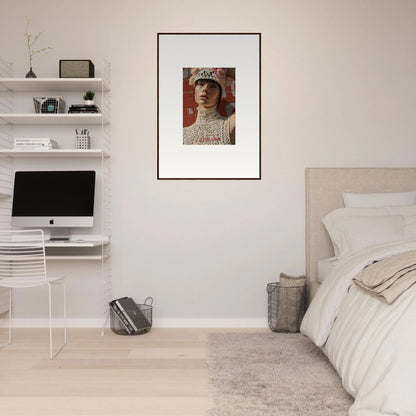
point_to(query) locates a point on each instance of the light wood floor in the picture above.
(162, 373)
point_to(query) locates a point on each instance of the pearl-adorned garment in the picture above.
(209, 128)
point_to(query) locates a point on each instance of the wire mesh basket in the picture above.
(146, 308)
(49, 105)
(286, 303)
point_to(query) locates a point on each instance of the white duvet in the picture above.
(370, 343)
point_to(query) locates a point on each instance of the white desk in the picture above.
(76, 249)
(75, 243)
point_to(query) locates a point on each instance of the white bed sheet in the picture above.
(371, 344)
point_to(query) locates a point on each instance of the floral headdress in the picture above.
(218, 75)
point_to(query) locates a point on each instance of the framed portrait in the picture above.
(209, 101)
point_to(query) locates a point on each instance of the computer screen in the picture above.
(53, 198)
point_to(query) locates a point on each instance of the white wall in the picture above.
(338, 89)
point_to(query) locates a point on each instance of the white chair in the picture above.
(23, 265)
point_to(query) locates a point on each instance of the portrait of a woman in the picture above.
(210, 127)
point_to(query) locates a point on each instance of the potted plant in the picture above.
(89, 97)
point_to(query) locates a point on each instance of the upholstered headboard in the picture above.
(324, 189)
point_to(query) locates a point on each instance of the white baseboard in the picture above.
(157, 323)
(210, 323)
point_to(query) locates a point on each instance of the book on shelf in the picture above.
(82, 108)
(133, 314)
(30, 148)
(34, 144)
(30, 139)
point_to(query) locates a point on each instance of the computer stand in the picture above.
(60, 234)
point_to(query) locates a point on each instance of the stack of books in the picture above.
(82, 108)
(33, 144)
(129, 314)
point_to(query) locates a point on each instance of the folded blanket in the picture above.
(388, 278)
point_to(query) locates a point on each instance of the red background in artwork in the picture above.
(189, 105)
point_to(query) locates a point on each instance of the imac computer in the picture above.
(55, 200)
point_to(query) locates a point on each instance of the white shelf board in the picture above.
(98, 257)
(77, 153)
(52, 119)
(67, 257)
(60, 244)
(52, 84)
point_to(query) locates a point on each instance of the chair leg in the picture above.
(52, 355)
(10, 315)
(64, 289)
(10, 319)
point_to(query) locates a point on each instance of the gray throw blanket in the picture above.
(389, 278)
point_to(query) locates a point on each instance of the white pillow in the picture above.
(329, 219)
(352, 200)
(350, 234)
(332, 219)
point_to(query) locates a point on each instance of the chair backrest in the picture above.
(22, 258)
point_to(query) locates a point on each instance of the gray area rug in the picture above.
(274, 374)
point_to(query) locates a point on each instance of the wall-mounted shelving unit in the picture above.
(94, 248)
(75, 153)
(54, 84)
(53, 119)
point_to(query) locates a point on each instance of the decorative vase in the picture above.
(89, 102)
(30, 74)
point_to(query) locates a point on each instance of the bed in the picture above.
(371, 343)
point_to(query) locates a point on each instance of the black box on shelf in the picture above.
(76, 68)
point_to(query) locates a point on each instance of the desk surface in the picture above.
(74, 243)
